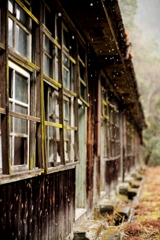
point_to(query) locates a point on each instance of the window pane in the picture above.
(81, 52)
(83, 91)
(66, 110)
(20, 126)
(65, 38)
(20, 109)
(82, 72)
(65, 78)
(21, 88)
(21, 41)
(72, 77)
(56, 70)
(66, 61)
(46, 65)
(47, 44)
(66, 150)
(48, 19)
(20, 150)
(10, 32)
(53, 146)
(10, 6)
(22, 16)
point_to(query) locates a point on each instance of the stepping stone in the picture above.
(109, 234)
(123, 188)
(132, 192)
(106, 209)
(135, 184)
(88, 230)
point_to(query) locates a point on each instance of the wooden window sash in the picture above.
(27, 11)
(51, 81)
(49, 35)
(18, 23)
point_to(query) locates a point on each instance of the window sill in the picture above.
(16, 176)
(62, 167)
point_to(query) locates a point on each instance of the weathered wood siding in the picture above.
(38, 208)
(93, 161)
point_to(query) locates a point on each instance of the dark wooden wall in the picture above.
(38, 208)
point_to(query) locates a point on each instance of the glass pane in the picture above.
(22, 16)
(20, 109)
(51, 154)
(51, 130)
(48, 19)
(81, 52)
(66, 150)
(20, 150)
(46, 65)
(82, 72)
(21, 41)
(72, 77)
(65, 78)
(21, 88)
(66, 110)
(66, 61)
(21, 126)
(65, 38)
(66, 134)
(47, 44)
(83, 91)
(10, 32)
(56, 70)
(10, 6)
(10, 83)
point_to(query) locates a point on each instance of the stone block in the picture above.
(89, 229)
(123, 188)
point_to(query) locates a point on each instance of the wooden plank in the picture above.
(23, 116)
(3, 216)
(24, 209)
(30, 202)
(60, 91)
(23, 62)
(27, 11)
(6, 164)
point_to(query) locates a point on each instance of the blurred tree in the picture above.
(128, 8)
(147, 64)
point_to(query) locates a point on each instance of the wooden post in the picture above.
(6, 162)
(123, 146)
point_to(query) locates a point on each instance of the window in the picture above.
(19, 106)
(69, 95)
(130, 137)
(83, 88)
(114, 132)
(68, 60)
(69, 129)
(19, 25)
(50, 44)
(53, 126)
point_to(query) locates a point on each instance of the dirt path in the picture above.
(145, 223)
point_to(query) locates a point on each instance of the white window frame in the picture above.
(24, 73)
(16, 22)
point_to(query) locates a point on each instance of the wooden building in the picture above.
(70, 114)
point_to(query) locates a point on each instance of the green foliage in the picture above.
(147, 64)
(128, 8)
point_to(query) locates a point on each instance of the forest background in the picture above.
(141, 19)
